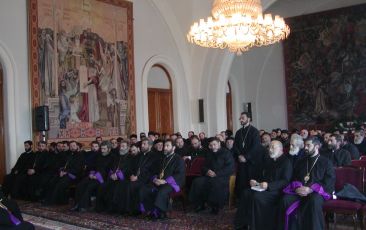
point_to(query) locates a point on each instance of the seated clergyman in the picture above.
(260, 202)
(312, 183)
(212, 188)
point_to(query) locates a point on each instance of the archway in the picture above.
(160, 100)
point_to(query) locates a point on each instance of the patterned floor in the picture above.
(60, 218)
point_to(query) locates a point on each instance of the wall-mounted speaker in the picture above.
(41, 115)
(248, 108)
(201, 113)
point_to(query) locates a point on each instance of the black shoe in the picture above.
(75, 208)
(199, 208)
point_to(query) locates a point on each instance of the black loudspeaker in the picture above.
(201, 113)
(41, 115)
(248, 109)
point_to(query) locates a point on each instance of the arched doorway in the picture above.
(2, 143)
(229, 107)
(160, 100)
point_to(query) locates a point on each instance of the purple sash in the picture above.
(290, 189)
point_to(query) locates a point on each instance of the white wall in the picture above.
(158, 79)
(14, 59)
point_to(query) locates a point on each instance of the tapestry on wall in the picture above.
(325, 65)
(82, 66)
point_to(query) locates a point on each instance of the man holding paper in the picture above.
(260, 202)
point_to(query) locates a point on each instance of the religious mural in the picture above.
(85, 70)
(325, 64)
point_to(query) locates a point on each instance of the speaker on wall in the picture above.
(201, 114)
(248, 109)
(41, 115)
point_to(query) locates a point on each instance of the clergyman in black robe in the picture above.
(213, 187)
(250, 158)
(69, 173)
(338, 156)
(32, 183)
(312, 182)
(155, 196)
(118, 172)
(97, 175)
(14, 180)
(128, 189)
(10, 216)
(256, 206)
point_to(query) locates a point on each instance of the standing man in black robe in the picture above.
(250, 158)
(155, 196)
(213, 187)
(13, 181)
(338, 156)
(312, 182)
(96, 176)
(69, 173)
(257, 206)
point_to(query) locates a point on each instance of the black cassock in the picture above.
(307, 214)
(353, 150)
(10, 216)
(106, 200)
(192, 152)
(213, 190)
(339, 157)
(361, 147)
(57, 191)
(128, 191)
(88, 187)
(32, 185)
(14, 180)
(157, 198)
(259, 209)
(247, 142)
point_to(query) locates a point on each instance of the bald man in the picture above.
(258, 209)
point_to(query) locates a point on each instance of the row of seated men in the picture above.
(136, 179)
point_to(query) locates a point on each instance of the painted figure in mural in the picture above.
(113, 108)
(92, 95)
(64, 105)
(49, 70)
(41, 48)
(122, 65)
(74, 108)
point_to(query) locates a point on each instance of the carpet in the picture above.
(91, 220)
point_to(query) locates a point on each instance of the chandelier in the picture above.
(238, 25)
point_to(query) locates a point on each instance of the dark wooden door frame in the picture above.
(2, 142)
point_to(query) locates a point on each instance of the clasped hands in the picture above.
(158, 182)
(303, 191)
(211, 173)
(263, 185)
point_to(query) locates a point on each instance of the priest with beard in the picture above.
(229, 144)
(351, 148)
(89, 156)
(35, 168)
(250, 158)
(260, 202)
(312, 183)
(96, 177)
(180, 147)
(68, 174)
(10, 215)
(13, 181)
(155, 196)
(338, 156)
(140, 175)
(360, 142)
(213, 186)
(296, 151)
(118, 172)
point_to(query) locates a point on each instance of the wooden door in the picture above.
(160, 110)
(229, 109)
(2, 144)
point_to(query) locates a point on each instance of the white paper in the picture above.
(258, 188)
